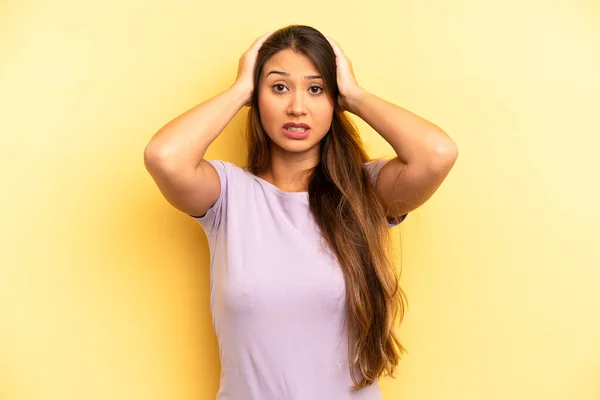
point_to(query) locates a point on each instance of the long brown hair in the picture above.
(347, 211)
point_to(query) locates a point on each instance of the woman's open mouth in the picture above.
(296, 131)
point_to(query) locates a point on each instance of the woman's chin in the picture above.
(295, 146)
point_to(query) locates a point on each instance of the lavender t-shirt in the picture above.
(277, 295)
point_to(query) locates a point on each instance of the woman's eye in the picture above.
(280, 88)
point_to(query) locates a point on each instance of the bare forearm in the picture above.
(412, 137)
(183, 141)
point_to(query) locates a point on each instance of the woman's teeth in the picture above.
(292, 129)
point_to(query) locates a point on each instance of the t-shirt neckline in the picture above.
(278, 191)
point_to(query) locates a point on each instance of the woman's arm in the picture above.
(414, 139)
(174, 157)
(425, 154)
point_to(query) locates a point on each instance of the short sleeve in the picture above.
(373, 168)
(215, 214)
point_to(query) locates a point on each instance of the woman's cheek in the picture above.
(325, 112)
(264, 109)
(268, 102)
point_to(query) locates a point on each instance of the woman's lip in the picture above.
(293, 125)
(296, 135)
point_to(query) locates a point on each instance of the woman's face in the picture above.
(291, 91)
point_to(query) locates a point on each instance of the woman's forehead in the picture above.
(291, 63)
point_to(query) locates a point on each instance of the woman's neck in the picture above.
(289, 171)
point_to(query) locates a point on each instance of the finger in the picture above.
(336, 47)
(260, 40)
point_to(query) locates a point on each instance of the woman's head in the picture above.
(349, 214)
(295, 83)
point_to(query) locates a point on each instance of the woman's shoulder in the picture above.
(373, 167)
(225, 166)
(230, 171)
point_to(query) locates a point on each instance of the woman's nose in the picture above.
(296, 105)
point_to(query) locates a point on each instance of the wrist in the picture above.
(355, 98)
(240, 93)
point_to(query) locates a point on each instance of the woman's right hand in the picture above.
(245, 74)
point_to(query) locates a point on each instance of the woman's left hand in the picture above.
(346, 81)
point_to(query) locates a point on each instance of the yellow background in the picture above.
(104, 286)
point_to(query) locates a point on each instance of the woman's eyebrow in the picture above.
(287, 74)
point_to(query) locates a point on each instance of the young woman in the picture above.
(304, 294)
